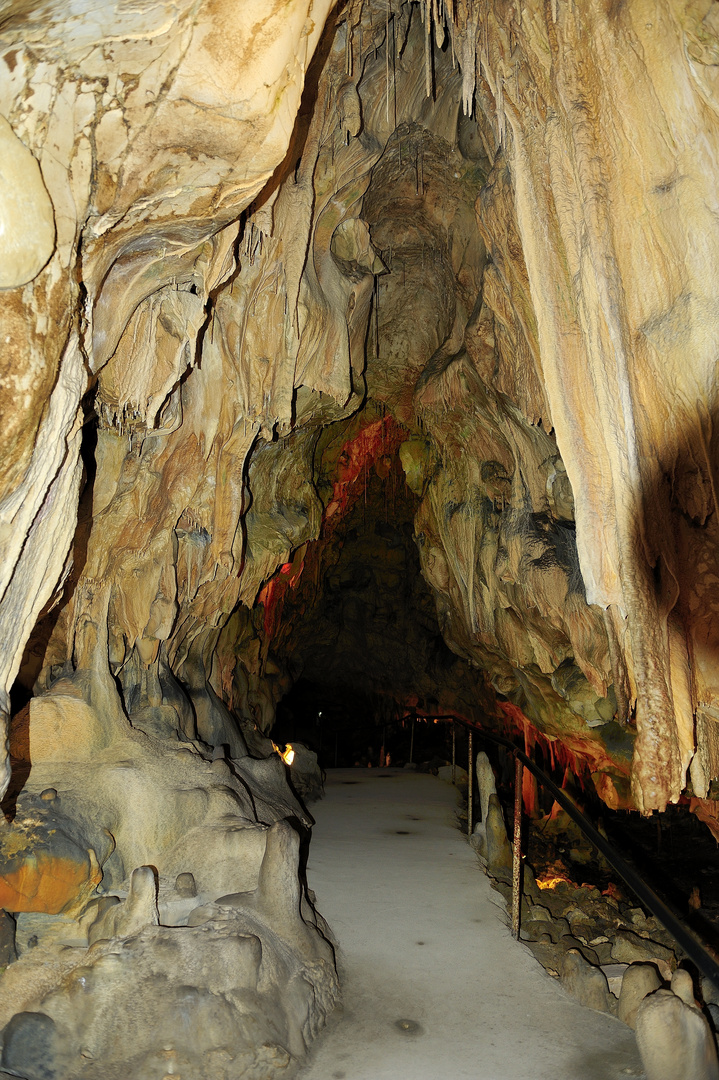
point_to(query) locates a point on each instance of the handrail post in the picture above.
(470, 786)
(454, 751)
(517, 849)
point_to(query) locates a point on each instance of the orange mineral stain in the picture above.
(46, 883)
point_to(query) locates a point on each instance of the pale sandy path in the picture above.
(423, 937)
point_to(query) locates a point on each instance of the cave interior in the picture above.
(358, 389)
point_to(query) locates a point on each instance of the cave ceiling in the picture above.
(373, 342)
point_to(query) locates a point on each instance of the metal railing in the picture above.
(693, 948)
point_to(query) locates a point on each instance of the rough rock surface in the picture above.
(674, 1039)
(272, 267)
(586, 983)
(99, 866)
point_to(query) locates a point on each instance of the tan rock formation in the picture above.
(257, 256)
(151, 137)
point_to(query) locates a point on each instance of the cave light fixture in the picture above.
(287, 755)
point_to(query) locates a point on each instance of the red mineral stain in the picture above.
(373, 446)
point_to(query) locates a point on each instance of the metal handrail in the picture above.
(689, 944)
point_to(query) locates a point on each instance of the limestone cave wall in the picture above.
(189, 279)
(265, 262)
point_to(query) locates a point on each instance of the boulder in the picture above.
(533, 927)
(551, 954)
(568, 941)
(444, 772)
(536, 929)
(629, 948)
(710, 992)
(30, 1046)
(48, 873)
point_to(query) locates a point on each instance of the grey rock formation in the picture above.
(586, 983)
(305, 773)
(30, 1047)
(630, 948)
(7, 939)
(675, 1040)
(499, 850)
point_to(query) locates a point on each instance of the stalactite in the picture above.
(386, 69)
(427, 15)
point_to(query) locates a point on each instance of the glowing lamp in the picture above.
(551, 883)
(287, 755)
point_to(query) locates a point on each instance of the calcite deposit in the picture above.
(299, 302)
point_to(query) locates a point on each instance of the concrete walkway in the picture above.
(434, 986)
